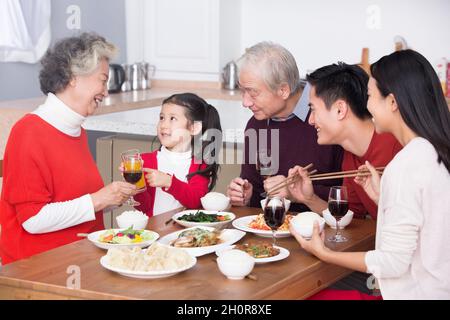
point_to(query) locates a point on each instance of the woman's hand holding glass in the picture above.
(370, 184)
(113, 194)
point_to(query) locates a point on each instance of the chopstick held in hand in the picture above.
(286, 182)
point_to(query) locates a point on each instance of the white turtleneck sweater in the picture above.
(61, 215)
(174, 163)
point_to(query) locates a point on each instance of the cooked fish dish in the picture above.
(197, 237)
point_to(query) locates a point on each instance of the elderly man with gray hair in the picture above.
(52, 189)
(271, 88)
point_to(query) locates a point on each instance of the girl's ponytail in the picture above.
(211, 144)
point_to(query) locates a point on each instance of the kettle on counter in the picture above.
(141, 75)
(230, 76)
(116, 78)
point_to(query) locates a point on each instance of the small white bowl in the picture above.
(235, 264)
(303, 223)
(215, 201)
(331, 221)
(137, 219)
(287, 204)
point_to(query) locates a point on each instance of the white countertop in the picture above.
(233, 118)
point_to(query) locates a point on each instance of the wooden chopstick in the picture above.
(293, 179)
(342, 172)
(348, 175)
(326, 176)
(287, 181)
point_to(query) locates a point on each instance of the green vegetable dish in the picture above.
(201, 216)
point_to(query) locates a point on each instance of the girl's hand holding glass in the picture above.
(157, 178)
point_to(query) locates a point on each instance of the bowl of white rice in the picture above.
(133, 218)
(303, 223)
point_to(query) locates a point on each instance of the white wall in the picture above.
(321, 32)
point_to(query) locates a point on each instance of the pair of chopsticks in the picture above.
(287, 181)
(345, 174)
(322, 176)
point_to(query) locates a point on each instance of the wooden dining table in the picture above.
(50, 275)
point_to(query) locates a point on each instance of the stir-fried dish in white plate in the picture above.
(257, 225)
(262, 252)
(199, 241)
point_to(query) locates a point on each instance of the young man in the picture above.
(338, 100)
(270, 84)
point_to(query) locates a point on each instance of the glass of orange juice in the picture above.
(132, 165)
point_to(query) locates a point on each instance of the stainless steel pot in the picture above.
(230, 76)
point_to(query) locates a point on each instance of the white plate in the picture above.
(284, 253)
(94, 236)
(228, 236)
(243, 224)
(104, 261)
(190, 224)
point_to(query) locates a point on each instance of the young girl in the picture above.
(411, 259)
(185, 168)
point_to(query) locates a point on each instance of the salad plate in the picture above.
(122, 238)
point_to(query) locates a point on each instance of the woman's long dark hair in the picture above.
(414, 83)
(205, 147)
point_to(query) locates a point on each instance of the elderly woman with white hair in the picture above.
(52, 188)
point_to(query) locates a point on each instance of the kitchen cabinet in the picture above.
(187, 40)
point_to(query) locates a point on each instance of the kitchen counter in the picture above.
(46, 275)
(130, 100)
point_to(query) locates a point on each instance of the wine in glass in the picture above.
(264, 163)
(132, 171)
(338, 207)
(274, 214)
